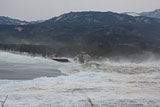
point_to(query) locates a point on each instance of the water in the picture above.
(105, 83)
(19, 67)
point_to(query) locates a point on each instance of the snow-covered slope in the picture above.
(134, 14)
(105, 83)
(10, 21)
(35, 22)
(152, 14)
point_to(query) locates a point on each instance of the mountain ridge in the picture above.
(4, 20)
(152, 14)
(10, 21)
(98, 33)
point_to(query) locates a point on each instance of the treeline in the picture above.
(72, 50)
(43, 50)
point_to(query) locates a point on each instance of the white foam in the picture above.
(100, 81)
(74, 89)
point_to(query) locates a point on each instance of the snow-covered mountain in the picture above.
(10, 21)
(134, 14)
(152, 14)
(79, 31)
(35, 22)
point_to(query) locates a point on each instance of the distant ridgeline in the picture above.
(97, 33)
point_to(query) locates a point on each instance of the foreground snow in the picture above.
(107, 84)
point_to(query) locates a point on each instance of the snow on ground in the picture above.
(106, 83)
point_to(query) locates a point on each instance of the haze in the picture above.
(44, 9)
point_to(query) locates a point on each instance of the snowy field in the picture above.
(105, 83)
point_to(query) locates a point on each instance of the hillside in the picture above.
(152, 14)
(98, 33)
(10, 21)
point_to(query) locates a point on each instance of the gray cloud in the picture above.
(44, 9)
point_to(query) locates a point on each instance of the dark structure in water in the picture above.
(61, 60)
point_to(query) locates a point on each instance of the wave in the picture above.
(73, 90)
(108, 66)
(105, 83)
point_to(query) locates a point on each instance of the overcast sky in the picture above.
(44, 9)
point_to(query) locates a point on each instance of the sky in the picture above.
(31, 10)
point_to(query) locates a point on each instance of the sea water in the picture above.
(110, 84)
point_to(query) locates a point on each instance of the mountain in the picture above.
(134, 14)
(94, 19)
(9, 21)
(152, 14)
(97, 33)
(35, 22)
